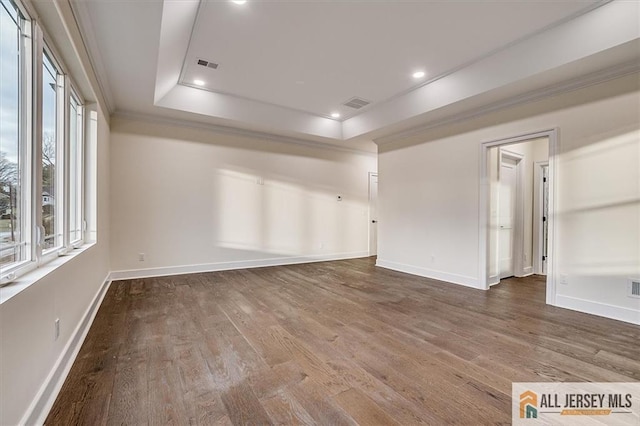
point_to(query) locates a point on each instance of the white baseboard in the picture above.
(430, 273)
(39, 409)
(527, 271)
(493, 280)
(600, 309)
(225, 266)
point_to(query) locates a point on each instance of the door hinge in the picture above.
(544, 179)
(544, 218)
(544, 258)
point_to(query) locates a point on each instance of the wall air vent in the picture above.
(356, 103)
(634, 287)
(208, 64)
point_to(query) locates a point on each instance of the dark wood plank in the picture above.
(243, 406)
(362, 409)
(329, 343)
(283, 409)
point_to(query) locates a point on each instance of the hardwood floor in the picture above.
(329, 343)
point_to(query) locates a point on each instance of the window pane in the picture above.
(12, 163)
(51, 198)
(75, 170)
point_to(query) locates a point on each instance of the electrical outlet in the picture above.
(56, 332)
(141, 257)
(564, 279)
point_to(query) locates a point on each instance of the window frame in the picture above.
(25, 135)
(34, 45)
(60, 207)
(80, 159)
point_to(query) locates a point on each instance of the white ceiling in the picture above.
(313, 56)
(285, 66)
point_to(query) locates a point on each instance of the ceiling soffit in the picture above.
(571, 41)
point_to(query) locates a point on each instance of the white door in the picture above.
(373, 214)
(506, 216)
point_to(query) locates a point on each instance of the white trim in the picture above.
(46, 396)
(571, 85)
(187, 51)
(371, 175)
(538, 194)
(66, 171)
(31, 273)
(487, 55)
(448, 277)
(232, 131)
(225, 266)
(600, 309)
(477, 59)
(526, 271)
(483, 249)
(493, 280)
(552, 175)
(82, 18)
(186, 83)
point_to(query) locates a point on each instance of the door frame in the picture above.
(518, 222)
(484, 228)
(370, 176)
(538, 204)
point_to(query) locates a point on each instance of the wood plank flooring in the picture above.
(329, 343)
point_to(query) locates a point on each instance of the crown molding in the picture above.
(232, 131)
(574, 84)
(487, 55)
(81, 16)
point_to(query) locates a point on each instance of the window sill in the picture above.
(25, 281)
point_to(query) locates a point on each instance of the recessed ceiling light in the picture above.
(239, 1)
(335, 114)
(418, 74)
(198, 82)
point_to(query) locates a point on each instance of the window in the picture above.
(14, 164)
(52, 153)
(41, 149)
(76, 138)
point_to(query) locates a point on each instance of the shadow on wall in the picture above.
(599, 207)
(189, 196)
(271, 215)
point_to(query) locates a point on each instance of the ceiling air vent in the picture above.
(356, 103)
(207, 64)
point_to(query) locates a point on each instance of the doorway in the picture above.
(373, 214)
(516, 209)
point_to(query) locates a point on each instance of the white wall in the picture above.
(29, 353)
(191, 199)
(429, 195)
